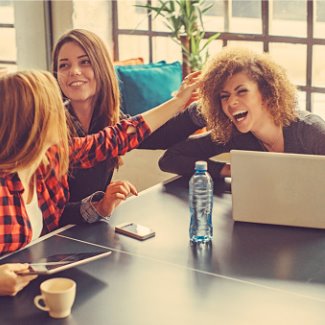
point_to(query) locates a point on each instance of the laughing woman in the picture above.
(249, 104)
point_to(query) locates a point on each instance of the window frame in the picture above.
(265, 38)
(7, 62)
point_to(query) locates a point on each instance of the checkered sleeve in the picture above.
(15, 230)
(111, 142)
(88, 210)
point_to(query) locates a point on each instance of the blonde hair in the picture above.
(31, 106)
(107, 98)
(277, 91)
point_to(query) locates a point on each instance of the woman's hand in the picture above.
(187, 89)
(10, 282)
(225, 171)
(159, 115)
(116, 192)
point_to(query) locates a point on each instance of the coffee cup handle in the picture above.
(38, 305)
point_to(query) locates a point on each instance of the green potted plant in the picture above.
(184, 19)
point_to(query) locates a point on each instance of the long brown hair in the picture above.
(277, 91)
(107, 99)
(31, 106)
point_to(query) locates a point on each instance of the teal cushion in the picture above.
(145, 86)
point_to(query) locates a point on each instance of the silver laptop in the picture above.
(278, 188)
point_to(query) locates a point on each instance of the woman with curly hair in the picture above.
(249, 104)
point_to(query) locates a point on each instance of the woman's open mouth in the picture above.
(239, 116)
(76, 83)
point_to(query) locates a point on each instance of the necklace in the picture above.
(277, 145)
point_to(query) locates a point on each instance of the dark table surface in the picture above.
(250, 274)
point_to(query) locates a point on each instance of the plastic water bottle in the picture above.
(200, 201)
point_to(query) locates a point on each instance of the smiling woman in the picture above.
(249, 104)
(242, 103)
(85, 73)
(77, 81)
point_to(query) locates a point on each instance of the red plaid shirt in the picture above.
(53, 192)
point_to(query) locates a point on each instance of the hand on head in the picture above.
(10, 282)
(116, 192)
(190, 83)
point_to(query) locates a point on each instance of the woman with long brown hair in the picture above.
(85, 73)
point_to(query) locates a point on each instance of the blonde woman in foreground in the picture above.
(36, 152)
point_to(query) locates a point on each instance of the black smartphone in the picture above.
(135, 230)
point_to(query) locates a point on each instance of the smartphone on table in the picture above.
(135, 230)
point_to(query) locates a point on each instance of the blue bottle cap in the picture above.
(201, 165)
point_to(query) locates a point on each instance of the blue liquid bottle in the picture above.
(201, 201)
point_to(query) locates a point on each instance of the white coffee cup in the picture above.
(58, 295)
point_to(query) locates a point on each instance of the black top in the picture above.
(306, 135)
(84, 182)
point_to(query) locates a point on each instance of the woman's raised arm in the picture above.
(159, 115)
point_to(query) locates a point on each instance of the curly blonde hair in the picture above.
(277, 91)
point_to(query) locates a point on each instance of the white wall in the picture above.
(62, 13)
(31, 31)
(95, 16)
(32, 26)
